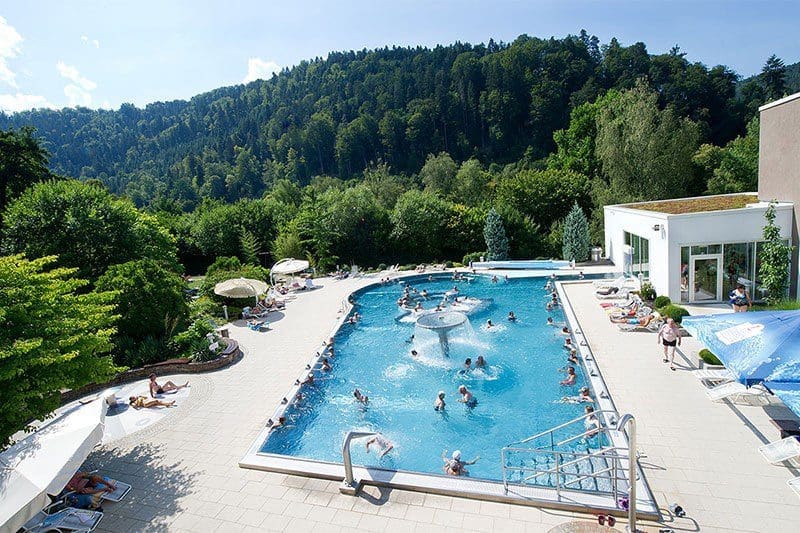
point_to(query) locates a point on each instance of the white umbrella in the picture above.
(240, 288)
(288, 266)
(45, 461)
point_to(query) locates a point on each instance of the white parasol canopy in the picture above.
(288, 266)
(240, 288)
(45, 461)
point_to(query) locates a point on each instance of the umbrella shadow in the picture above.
(157, 486)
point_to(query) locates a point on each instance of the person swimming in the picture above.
(439, 404)
(571, 377)
(568, 344)
(489, 324)
(360, 397)
(550, 321)
(512, 317)
(467, 366)
(326, 366)
(455, 466)
(466, 397)
(480, 362)
(565, 330)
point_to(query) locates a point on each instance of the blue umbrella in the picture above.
(789, 393)
(756, 346)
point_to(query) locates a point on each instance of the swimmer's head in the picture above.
(462, 389)
(441, 394)
(457, 455)
(584, 390)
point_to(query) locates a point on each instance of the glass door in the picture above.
(705, 281)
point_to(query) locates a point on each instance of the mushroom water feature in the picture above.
(441, 323)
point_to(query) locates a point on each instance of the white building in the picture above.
(693, 249)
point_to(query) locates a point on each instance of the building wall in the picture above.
(779, 162)
(675, 231)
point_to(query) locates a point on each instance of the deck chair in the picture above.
(612, 294)
(794, 484)
(733, 390)
(67, 519)
(780, 450)
(608, 282)
(714, 374)
(254, 312)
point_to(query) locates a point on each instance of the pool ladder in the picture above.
(350, 485)
(548, 461)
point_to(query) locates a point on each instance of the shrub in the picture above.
(382, 266)
(473, 257)
(448, 264)
(709, 358)
(647, 291)
(410, 266)
(193, 343)
(661, 301)
(675, 312)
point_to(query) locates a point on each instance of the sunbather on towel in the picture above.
(169, 386)
(643, 321)
(85, 483)
(138, 402)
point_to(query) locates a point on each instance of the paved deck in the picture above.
(185, 475)
(700, 454)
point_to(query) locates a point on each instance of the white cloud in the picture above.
(72, 74)
(10, 46)
(78, 92)
(258, 69)
(11, 103)
(94, 42)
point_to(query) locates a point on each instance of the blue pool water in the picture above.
(518, 394)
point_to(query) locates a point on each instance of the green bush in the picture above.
(448, 264)
(382, 266)
(675, 312)
(661, 301)
(473, 257)
(647, 292)
(410, 266)
(193, 343)
(709, 358)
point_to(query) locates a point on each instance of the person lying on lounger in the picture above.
(643, 321)
(138, 402)
(85, 483)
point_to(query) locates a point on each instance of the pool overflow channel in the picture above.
(541, 470)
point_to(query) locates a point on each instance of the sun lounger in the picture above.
(121, 490)
(612, 295)
(608, 282)
(781, 450)
(794, 484)
(68, 519)
(733, 390)
(714, 374)
(652, 327)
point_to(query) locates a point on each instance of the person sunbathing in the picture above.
(169, 386)
(86, 483)
(643, 321)
(138, 402)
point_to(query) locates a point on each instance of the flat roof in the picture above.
(697, 204)
(784, 100)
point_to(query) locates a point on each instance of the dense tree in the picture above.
(773, 75)
(494, 234)
(85, 226)
(51, 339)
(438, 173)
(23, 162)
(646, 152)
(733, 168)
(150, 302)
(419, 225)
(576, 235)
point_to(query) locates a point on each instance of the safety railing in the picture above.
(350, 485)
(551, 459)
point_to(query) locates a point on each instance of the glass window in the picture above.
(737, 260)
(684, 273)
(706, 249)
(640, 255)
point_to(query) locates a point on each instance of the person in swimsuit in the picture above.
(740, 300)
(466, 397)
(138, 402)
(439, 404)
(481, 362)
(169, 386)
(571, 377)
(644, 321)
(512, 317)
(669, 335)
(360, 397)
(380, 442)
(591, 423)
(455, 466)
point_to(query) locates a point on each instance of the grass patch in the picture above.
(697, 205)
(783, 305)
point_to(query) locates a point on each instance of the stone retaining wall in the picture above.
(229, 355)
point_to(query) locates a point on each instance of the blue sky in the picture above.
(103, 53)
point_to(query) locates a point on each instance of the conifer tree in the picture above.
(495, 235)
(576, 235)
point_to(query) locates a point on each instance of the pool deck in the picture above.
(185, 474)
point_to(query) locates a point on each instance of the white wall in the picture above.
(619, 220)
(714, 227)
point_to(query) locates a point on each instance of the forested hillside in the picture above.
(498, 103)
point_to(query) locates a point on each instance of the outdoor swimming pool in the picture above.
(518, 393)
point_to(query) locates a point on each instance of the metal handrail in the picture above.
(350, 485)
(565, 424)
(581, 457)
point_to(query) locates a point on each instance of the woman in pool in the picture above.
(565, 330)
(481, 362)
(380, 442)
(512, 317)
(573, 356)
(466, 397)
(439, 404)
(591, 423)
(571, 377)
(550, 321)
(467, 365)
(455, 466)
(568, 344)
